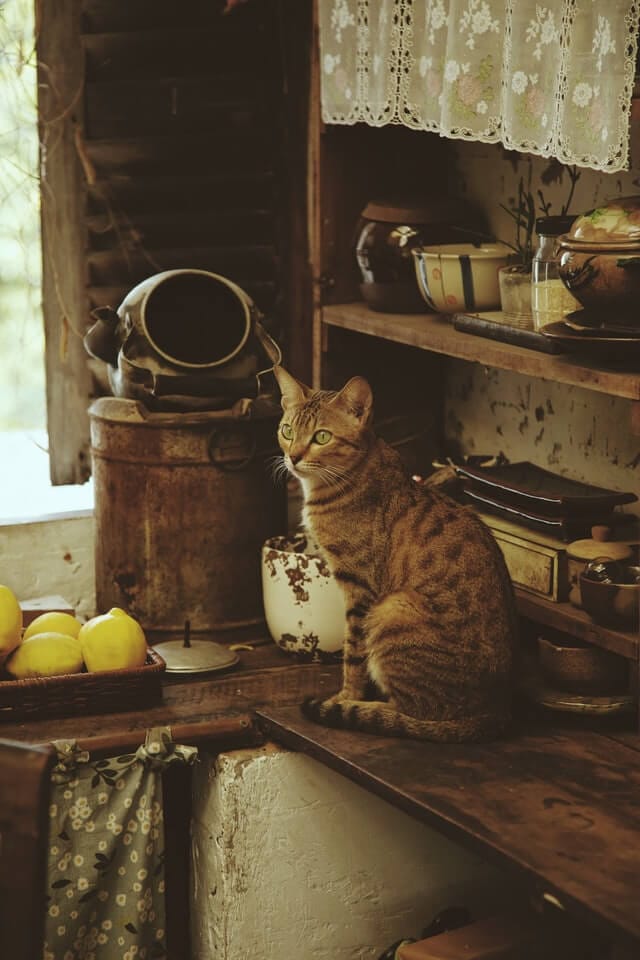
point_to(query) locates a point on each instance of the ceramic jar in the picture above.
(600, 262)
(610, 593)
(304, 606)
(388, 232)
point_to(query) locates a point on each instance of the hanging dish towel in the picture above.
(105, 897)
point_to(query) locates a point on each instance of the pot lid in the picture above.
(199, 656)
(614, 223)
(599, 545)
(553, 226)
(399, 210)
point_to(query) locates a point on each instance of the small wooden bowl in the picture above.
(576, 668)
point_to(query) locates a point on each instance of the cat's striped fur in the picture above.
(430, 614)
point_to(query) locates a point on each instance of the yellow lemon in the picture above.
(113, 641)
(10, 621)
(53, 622)
(45, 655)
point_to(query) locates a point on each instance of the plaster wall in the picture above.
(50, 556)
(572, 431)
(292, 860)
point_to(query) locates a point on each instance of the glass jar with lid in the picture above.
(550, 299)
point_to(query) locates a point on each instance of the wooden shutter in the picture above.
(173, 135)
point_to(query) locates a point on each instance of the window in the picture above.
(25, 488)
(165, 142)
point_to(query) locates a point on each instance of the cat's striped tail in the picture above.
(371, 716)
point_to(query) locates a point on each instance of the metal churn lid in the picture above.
(195, 656)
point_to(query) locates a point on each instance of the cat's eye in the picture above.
(322, 436)
(287, 431)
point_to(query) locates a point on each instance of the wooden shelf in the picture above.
(565, 617)
(435, 332)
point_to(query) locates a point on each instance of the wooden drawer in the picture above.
(535, 562)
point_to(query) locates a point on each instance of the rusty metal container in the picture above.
(183, 504)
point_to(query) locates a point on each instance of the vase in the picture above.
(514, 282)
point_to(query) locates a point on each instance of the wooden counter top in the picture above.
(200, 707)
(560, 808)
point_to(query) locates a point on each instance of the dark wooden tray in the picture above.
(483, 325)
(530, 487)
(564, 528)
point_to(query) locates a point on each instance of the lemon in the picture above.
(53, 622)
(45, 655)
(113, 641)
(10, 621)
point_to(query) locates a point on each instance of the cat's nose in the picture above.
(294, 457)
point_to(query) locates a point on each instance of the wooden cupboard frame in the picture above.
(347, 166)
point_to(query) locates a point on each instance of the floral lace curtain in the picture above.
(553, 78)
(105, 897)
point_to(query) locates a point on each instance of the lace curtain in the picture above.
(553, 78)
(105, 896)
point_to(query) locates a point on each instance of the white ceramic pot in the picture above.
(304, 606)
(460, 277)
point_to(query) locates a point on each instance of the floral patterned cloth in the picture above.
(552, 78)
(106, 852)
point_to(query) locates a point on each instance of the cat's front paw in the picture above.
(322, 710)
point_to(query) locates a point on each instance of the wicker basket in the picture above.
(104, 691)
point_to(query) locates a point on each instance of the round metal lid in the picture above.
(200, 656)
(615, 224)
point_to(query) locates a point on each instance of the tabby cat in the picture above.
(431, 622)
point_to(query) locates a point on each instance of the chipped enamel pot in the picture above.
(303, 605)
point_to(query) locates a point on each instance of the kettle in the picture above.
(183, 340)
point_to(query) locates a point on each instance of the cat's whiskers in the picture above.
(331, 477)
(278, 467)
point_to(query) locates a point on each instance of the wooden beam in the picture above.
(63, 189)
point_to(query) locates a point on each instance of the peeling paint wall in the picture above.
(578, 433)
(50, 557)
(292, 860)
(488, 176)
(571, 431)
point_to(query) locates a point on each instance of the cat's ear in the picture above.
(357, 398)
(291, 389)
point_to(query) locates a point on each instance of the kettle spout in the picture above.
(100, 340)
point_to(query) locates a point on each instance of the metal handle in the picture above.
(226, 446)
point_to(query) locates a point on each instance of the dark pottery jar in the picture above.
(600, 264)
(610, 593)
(386, 235)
